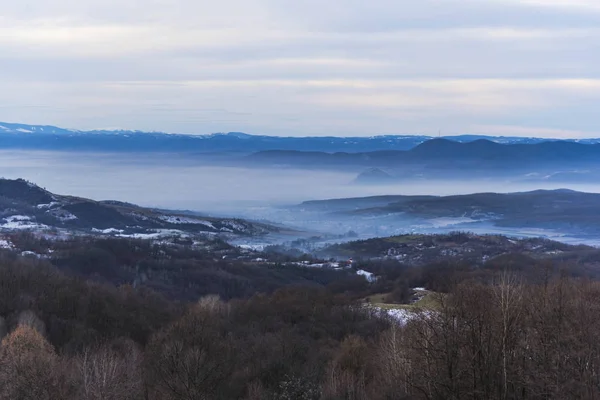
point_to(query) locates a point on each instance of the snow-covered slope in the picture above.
(26, 206)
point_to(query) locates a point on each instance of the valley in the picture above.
(299, 200)
(301, 264)
(98, 239)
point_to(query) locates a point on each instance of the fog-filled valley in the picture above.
(206, 185)
(299, 200)
(178, 276)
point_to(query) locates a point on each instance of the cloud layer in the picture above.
(341, 67)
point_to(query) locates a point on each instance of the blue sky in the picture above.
(283, 67)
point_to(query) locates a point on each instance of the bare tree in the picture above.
(394, 363)
(347, 374)
(509, 297)
(191, 360)
(105, 374)
(213, 304)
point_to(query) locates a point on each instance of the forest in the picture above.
(514, 329)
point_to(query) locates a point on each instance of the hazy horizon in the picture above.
(191, 184)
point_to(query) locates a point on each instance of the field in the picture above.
(427, 300)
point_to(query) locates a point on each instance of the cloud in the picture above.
(586, 5)
(298, 68)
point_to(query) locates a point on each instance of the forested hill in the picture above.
(568, 211)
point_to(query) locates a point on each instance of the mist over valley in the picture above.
(223, 185)
(299, 200)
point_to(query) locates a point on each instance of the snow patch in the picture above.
(15, 218)
(62, 215)
(255, 247)
(174, 219)
(108, 231)
(402, 315)
(30, 254)
(49, 205)
(66, 216)
(233, 225)
(368, 275)
(162, 233)
(16, 222)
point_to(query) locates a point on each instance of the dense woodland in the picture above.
(514, 329)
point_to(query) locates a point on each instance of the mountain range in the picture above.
(376, 160)
(444, 154)
(44, 137)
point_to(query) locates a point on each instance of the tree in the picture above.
(28, 366)
(393, 364)
(509, 296)
(191, 360)
(349, 372)
(30, 319)
(110, 373)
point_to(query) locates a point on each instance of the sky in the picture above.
(300, 68)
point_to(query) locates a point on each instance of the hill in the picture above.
(468, 248)
(26, 206)
(374, 176)
(564, 210)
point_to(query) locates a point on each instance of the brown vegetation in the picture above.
(496, 333)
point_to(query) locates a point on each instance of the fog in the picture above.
(168, 181)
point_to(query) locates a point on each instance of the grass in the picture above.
(377, 298)
(428, 302)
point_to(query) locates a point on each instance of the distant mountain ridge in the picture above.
(46, 137)
(445, 154)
